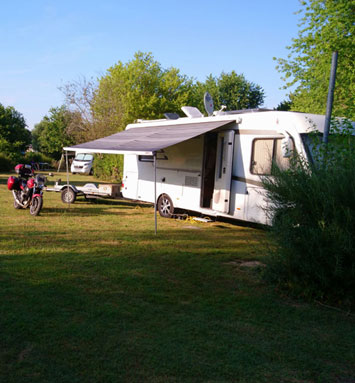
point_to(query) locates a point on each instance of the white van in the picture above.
(82, 163)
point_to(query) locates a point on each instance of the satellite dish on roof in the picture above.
(208, 101)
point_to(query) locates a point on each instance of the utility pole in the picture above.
(328, 114)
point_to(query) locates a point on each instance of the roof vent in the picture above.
(171, 116)
(191, 112)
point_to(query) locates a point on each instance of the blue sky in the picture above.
(46, 43)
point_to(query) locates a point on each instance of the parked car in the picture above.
(82, 163)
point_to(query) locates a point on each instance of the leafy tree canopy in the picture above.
(284, 105)
(14, 137)
(140, 88)
(230, 89)
(326, 26)
(50, 135)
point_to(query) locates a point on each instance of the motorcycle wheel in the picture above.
(36, 205)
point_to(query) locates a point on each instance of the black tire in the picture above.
(91, 172)
(36, 205)
(165, 206)
(68, 195)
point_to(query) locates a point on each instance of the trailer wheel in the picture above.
(165, 206)
(68, 195)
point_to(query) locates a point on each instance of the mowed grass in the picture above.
(88, 293)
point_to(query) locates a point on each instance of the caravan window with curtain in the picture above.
(265, 153)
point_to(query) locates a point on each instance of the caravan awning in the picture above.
(147, 140)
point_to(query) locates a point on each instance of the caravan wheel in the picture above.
(165, 206)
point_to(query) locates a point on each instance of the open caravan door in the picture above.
(223, 175)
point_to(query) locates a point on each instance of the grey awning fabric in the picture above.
(147, 140)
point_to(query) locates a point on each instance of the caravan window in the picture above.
(281, 161)
(265, 152)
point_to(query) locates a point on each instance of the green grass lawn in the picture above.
(88, 293)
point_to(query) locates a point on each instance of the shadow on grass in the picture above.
(83, 208)
(113, 202)
(151, 317)
(4, 177)
(74, 211)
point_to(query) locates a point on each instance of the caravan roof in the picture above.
(146, 137)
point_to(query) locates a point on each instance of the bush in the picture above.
(37, 157)
(9, 161)
(313, 215)
(108, 166)
(6, 163)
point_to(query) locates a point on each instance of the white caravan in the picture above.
(217, 172)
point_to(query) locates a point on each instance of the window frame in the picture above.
(274, 139)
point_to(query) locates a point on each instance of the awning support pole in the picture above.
(155, 192)
(67, 166)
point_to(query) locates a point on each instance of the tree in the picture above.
(79, 96)
(14, 137)
(326, 26)
(50, 135)
(140, 88)
(230, 89)
(284, 105)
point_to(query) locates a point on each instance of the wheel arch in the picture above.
(72, 187)
(160, 195)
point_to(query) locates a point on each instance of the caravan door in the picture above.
(223, 174)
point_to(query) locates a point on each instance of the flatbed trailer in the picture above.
(69, 192)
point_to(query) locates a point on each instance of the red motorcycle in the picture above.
(27, 189)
